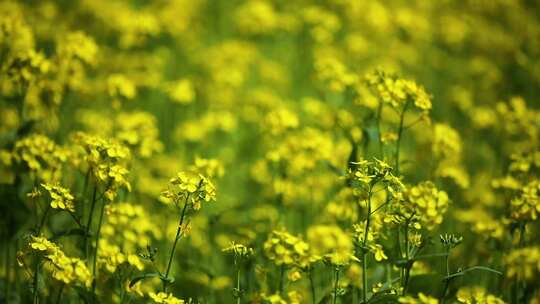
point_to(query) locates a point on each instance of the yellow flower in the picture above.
(476, 295)
(334, 73)
(63, 268)
(165, 298)
(523, 263)
(40, 154)
(286, 249)
(422, 299)
(61, 197)
(527, 205)
(378, 252)
(238, 250)
(331, 242)
(397, 92)
(188, 184)
(106, 161)
(78, 45)
(426, 202)
(119, 86)
(42, 244)
(181, 91)
(138, 130)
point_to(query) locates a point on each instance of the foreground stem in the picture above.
(96, 249)
(177, 237)
(336, 286)
(89, 222)
(312, 285)
(363, 249)
(400, 135)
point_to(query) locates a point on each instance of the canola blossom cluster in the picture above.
(270, 152)
(62, 268)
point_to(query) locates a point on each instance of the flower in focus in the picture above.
(61, 198)
(192, 187)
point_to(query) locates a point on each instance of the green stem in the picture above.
(379, 135)
(59, 297)
(281, 278)
(96, 248)
(447, 280)
(178, 231)
(36, 267)
(36, 282)
(239, 295)
(89, 222)
(408, 265)
(7, 269)
(312, 286)
(43, 220)
(400, 135)
(364, 251)
(521, 242)
(336, 285)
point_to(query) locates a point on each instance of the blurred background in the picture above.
(270, 98)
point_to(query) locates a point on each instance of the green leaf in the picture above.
(144, 277)
(463, 272)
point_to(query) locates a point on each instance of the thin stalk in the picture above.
(35, 283)
(239, 295)
(83, 194)
(178, 231)
(96, 248)
(336, 285)
(400, 135)
(312, 286)
(37, 263)
(398, 239)
(521, 242)
(7, 269)
(59, 296)
(447, 280)
(408, 265)
(281, 278)
(43, 219)
(74, 217)
(407, 276)
(364, 278)
(364, 252)
(379, 139)
(89, 222)
(14, 266)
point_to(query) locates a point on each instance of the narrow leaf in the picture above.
(143, 277)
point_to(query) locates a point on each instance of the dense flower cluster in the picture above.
(285, 249)
(164, 298)
(61, 198)
(366, 174)
(40, 155)
(527, 205)
(191, 187)
(426, 203)
(106, 161)
(422, 299)
(238, 250)
(397, 92)
(332, 243)
(63, 268)
(523, 263)
(476, 295)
